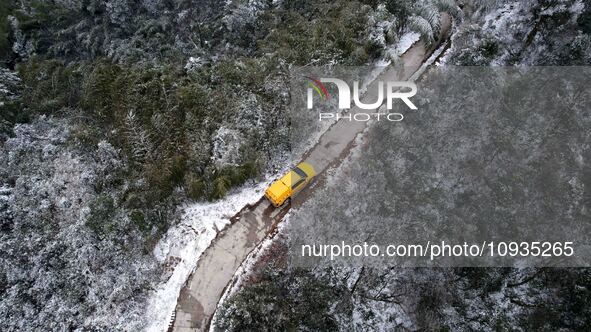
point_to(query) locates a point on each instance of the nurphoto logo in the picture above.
(402, 90)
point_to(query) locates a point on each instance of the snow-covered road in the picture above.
(184, 243)
(206, 248)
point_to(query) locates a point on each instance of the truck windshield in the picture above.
(295, 185)
(301, 173)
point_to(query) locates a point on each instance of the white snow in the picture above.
(194, 63)
(406, 41)
(226, 146)
(403, 44)
(186, 241)
(501, 17)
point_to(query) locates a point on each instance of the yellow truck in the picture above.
(291, 183)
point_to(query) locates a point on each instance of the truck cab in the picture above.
(290, 184)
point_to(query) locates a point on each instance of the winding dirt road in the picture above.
(199, 297)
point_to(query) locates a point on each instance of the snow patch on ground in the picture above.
(406, 41)
(403, 44)
(184, 243)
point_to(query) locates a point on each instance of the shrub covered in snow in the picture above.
(524, 32)
(70, 255)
